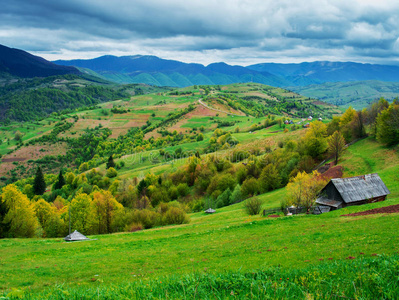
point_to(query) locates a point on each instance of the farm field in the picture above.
(150, 111)
(226, 250)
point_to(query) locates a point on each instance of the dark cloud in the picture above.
(246, 31)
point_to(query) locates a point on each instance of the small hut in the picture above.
(76, 236)
(342, 192)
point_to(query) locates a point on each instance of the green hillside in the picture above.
(34, 99)
(229, 251)
(358, 94)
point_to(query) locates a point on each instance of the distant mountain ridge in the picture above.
(157, 71)
(326, 71)
(19, 63)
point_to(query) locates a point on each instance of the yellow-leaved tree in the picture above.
(82, 215)
(21, 213)
(303, 189)
(105, 208)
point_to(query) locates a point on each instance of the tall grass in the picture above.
(365, 278)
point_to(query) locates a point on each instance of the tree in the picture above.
(104, 207)
(315, 139)
(336, 145)
(250, 187)
(111, 163)
(82, 215)
(304, 188)
(223, 199)
(236, 196)
(373, 111)
(21, 215)
(60, 182)
(39, 185)
(269, 178)
(388, 125)
(18, 136)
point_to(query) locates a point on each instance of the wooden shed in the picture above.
(342, 192)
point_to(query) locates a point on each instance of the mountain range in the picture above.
(341, 83)
(156, 71)
(15, 62)
(327, 71)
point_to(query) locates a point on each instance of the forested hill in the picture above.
(32, 99)
(19, 63)
(161, 72)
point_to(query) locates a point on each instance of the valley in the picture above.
(135, 166)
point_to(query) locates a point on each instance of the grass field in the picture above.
(227, 254)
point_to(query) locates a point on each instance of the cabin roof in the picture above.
(359, 188)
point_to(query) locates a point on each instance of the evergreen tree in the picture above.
(110, 163)
(61, 181)
(39, 185)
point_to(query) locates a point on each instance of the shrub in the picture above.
(253, 206)
(175, 215)
(111, 172)
(145, 217)
(134, 227)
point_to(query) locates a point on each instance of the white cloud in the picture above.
(235, 31)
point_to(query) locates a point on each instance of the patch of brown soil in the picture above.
(202, 111)
(318, 103)
(13, 159)
(274, 216)
(33, 152)
(335, 172)
(381, 210)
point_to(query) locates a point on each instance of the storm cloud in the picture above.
(206, 31)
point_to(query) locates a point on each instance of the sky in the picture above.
(238, 32)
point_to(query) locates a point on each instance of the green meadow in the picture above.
(226, 255)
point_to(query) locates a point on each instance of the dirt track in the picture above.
(382, 210)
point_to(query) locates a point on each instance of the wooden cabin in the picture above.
(342, 192)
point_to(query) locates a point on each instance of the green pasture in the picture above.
(232, 254)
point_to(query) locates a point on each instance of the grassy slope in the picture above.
(228, 240)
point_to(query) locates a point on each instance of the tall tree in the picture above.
(60, 182)
(336, 145)
(388, 125)
(110, 163)
(21, 215)
(315, 139)
(39, 185)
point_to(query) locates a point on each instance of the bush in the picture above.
(134, 227)
(175, 215)
(111, 172)
(145, 217)
(253, 206)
